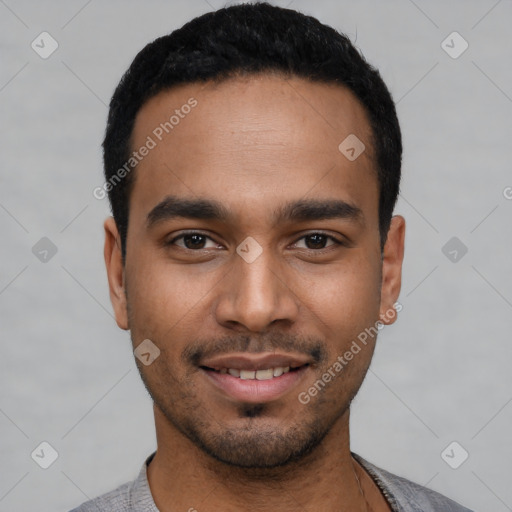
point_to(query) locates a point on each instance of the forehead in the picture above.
(252, 139)
(256, 108)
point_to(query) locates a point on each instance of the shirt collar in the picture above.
(141, 493)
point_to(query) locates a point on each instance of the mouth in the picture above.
(242, 379)
(264, 374)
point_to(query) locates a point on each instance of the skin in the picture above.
(254, 144)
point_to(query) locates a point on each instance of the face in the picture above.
(253, 263)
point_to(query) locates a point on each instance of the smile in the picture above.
(265, 374)
(255, 386)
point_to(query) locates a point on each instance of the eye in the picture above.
(193, 241)
(196, 241)
(316, 241)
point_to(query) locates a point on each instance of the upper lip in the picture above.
(256, 362)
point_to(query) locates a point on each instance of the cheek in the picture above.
(340, 299)
(346, 296)
(348, 311)
(162, 297)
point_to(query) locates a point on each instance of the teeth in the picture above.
(278, 371)
(267, 374)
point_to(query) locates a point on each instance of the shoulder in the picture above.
(117, 500)
(407, 496)
(132, 496)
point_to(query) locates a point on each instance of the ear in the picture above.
(392, 258)
(115, 272)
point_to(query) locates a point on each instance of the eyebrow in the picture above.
(172, 207)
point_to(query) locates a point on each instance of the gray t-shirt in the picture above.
(402, 495)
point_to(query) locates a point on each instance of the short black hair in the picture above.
(250, 39)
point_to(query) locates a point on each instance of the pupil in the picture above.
(198, 241)
(321, 242)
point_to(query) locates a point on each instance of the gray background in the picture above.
(440, 374)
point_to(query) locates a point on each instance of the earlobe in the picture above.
(115, 272)
(392, 258)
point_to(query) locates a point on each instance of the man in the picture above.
(252, 160)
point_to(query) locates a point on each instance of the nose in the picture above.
(254, 295)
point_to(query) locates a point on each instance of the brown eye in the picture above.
(317, 241)
(192, 241)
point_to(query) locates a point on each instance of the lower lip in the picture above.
(253, 390)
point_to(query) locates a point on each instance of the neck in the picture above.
(182, 477)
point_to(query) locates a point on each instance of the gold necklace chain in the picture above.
(367, 505)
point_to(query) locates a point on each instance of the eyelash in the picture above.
(188, 233)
